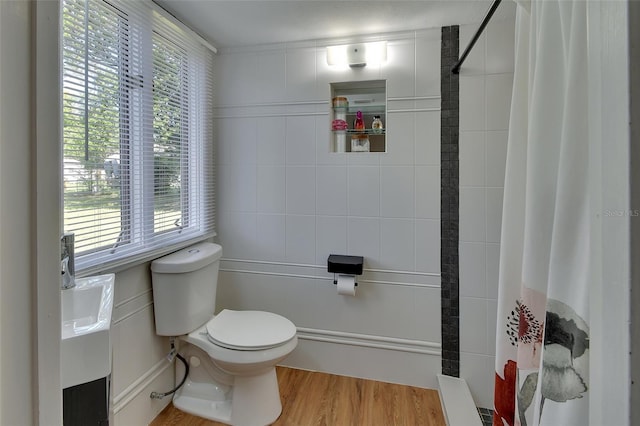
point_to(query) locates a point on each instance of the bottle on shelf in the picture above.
(377, 126)
(340, 102)
(338, 124)
(360, 143)
(358, 124)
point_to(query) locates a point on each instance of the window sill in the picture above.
(129, 262)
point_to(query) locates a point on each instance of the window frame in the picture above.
(138, 241)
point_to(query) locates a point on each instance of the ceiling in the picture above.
(227, 23)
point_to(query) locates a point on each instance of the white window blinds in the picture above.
(138, 138)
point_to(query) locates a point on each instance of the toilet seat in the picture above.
(249, 330)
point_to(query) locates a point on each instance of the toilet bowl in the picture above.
(245, 342)
(240, 381)
(232, 355)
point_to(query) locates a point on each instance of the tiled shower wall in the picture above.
(486, 80)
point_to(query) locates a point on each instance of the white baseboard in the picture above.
(392, 360)
(370, 341)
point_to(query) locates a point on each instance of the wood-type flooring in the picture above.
(320, 399)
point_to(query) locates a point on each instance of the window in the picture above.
(137, 127)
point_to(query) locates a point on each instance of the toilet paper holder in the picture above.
(344, 264)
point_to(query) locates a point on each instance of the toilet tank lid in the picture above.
(188, 259)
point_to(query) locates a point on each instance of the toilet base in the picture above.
(197, 404)
(251, 401)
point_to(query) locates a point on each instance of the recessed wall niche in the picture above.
(358, 116)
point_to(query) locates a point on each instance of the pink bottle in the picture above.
(358, 124)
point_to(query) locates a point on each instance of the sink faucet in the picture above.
(67, 264)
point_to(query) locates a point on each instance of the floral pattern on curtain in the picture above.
(542, 347)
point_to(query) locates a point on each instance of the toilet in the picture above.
(231, 355)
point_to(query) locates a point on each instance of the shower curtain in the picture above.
(542, 347)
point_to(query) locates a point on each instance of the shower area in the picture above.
(528, 238)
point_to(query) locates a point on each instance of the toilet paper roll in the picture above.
(347, 285)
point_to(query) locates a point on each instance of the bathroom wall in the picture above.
(139, 363)
(486, 80)
(613, 366)
(17, 318)
(286, 203)
(634, 113)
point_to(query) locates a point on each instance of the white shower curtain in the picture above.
(542, 348)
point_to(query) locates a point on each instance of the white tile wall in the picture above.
(473, 264)
(397, 249)
(400, 69)
(271, 87)
(427, 195)
(428, 245)
(485, 92)
(237, 141)
(275, 167)
(492, 270)
(240, 232)
(498, 100)
(397, 194)
(331, 192)
(299, 231)
(500, 46)
(472, 102)
(479, 372)
(363, 195)
(473, 329)
(496, 157)
(324, 156)
(331, 237)
(427, 147)
(492, 317)
(271, 189)
(475, 62)
(301, 190)
(237, 187)
(428, 63)
(270, 142)
(363, 239)
(400, 149)
(300, 74)
(270, 237)
(472, 214)
(238, 72)
(427, 327)
(472, 158)
(301, 141)
(494, 213)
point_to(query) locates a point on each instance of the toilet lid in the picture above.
(249, 330)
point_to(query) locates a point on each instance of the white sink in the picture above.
(85, 350)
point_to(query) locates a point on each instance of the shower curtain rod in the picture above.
(485, 21)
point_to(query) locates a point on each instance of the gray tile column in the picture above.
(449, 197)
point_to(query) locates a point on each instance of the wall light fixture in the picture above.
(357, 55)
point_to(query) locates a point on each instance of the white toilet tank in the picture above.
(184, 288)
